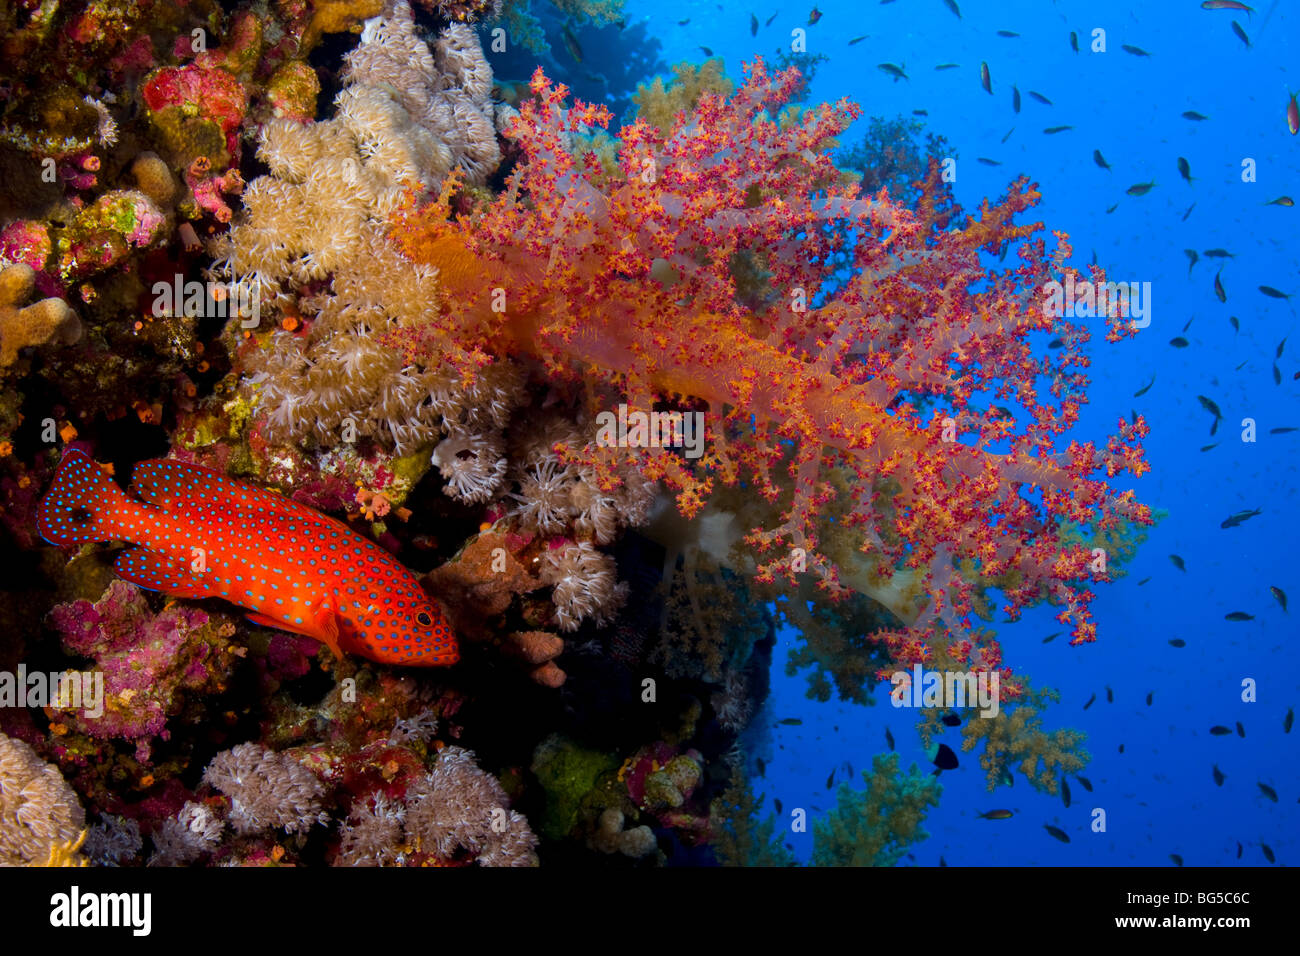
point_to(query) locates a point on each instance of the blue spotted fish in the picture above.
(198, 534)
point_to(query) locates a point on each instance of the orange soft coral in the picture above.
(877, 351)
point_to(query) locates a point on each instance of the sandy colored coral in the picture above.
(1016, 740)
(40, 815)
(43, 322)
(267, 790)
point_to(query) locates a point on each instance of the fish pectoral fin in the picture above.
(327, 628)
(157, 572)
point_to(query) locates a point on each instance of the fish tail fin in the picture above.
(82, 504)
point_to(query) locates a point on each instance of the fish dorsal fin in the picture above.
(180, 488)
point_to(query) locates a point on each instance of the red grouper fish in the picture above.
(200, 534)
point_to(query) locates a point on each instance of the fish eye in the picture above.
(423, 618)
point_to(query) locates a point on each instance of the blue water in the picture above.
(1158, 795)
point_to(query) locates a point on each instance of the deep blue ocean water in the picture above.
(1159, 794)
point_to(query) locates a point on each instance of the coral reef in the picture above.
(266, 790)
(1016, 740)
(21, 326)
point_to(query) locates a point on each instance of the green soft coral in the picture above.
(876, 826)
(740, 837)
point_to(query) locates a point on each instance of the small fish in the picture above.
(790, 721)
(1178, 563)
(1189, 211)
(952, 5)
(1100, 160)
(1239, 851)
(1008, 136)
(1015, 98)
(893, 70)
(1150, 697)
(920, 112)
(943, 757)
(1193, 259)
(1121, 748)
(1241, 731)
(1285, 430)
(682, 23)
(772, 19)
(996, 814)
(1141, 189)
(857, 40)
(1210, 447)
(1065, 793)
(762, 765)
(571, 44)
(814, 16)
(1057, 833)
(1085, 783)
(1188, 324)
(830, 781)
(1226, 5)
(1135, 50)
(1110, 695)
(1112, 209)
(753, 25)
(1177, 642)
(1277, 375)
(1219, 291)
(1009, 34)
(1144, 580)
(706, 51)
(986, 80)
(1268, 852)
(1195, 116)
(1074, 41)
(1051, 637)
(1056, 344)
(1218, 776)
(1272, 293)
(1184, 169)
(1219, 730)
(1241, 366)
(1280, 345)
(1278, 595)
(1178, 860)
(988, 162)
(1145, 388)
(951, 720)
(1091, 701)
(947, 66)
(1267, 791)
(1235, 323)
(179, 507)
(1219, 254)
(1288, 720)
(1235, 519)
(1239, 616)
(1293, 116)
(1179, 342)
(942, 861)
(1241, 34)
(1053, 130)
(777, 802)
(1040, 97)
(889, 738)
(1005, 778)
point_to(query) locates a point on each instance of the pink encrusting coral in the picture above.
(868, 313)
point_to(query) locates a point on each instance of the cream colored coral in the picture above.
(40, 815)
(46, 321)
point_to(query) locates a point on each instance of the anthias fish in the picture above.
(199, 534)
